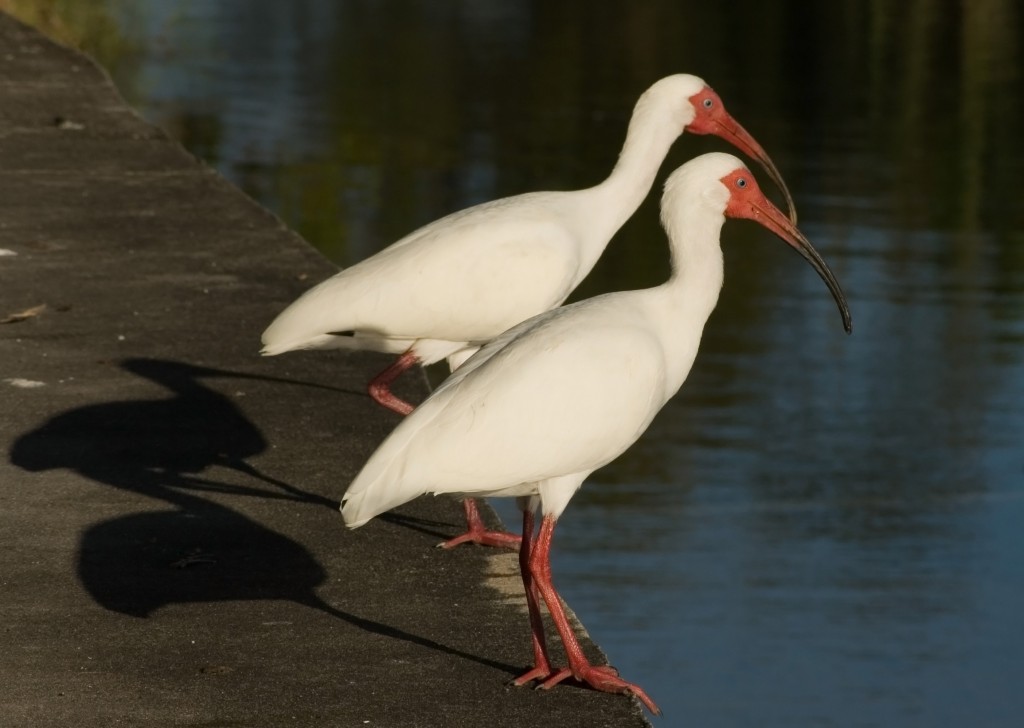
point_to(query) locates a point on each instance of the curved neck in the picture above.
(648, 139)
(691, 292)
(696, 251)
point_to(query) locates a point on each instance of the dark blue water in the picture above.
(820, 530)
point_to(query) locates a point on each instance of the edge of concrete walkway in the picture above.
(170, 549)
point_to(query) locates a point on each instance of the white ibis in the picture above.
(453, 285)
(540, 407)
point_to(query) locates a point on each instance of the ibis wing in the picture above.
(564, 393)
(466, 277)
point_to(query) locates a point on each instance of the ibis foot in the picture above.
(541, 672)
(604, 678)
(477, 533)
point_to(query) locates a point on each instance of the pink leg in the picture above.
(477, 533)
(541, 666)
(380, 385)
(603, 678)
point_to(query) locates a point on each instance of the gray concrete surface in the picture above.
(170, 550)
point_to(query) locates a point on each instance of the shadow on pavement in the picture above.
(198, 550)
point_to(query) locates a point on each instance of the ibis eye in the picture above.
(708, 103)
(741, 182)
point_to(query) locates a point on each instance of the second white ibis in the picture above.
(542, 406)
(453, 285)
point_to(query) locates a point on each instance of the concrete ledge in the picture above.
(170, 549)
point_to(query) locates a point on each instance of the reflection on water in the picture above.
(819, 530)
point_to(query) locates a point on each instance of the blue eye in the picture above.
(708, 103)
(741, 182)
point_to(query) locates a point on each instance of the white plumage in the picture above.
(458, 282)
(522, 411)
(567, 391)
(450, 287)
(540, 407)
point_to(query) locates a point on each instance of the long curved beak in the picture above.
(729, 129)
(765, 213)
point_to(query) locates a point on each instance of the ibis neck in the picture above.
(648, 140)
(691, 293)
(698, 269)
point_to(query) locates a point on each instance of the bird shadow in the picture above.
(427, 526)
(197, 549)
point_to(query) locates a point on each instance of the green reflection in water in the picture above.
(91, 27)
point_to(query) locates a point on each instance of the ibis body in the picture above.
(546, 403)
(448, 288)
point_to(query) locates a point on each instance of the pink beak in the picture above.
(753, 205)
(720, 123)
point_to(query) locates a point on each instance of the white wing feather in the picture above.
(464, 278)
(565, 392)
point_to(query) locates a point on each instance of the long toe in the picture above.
(483, 537)
(541, 672)
(606, 679)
